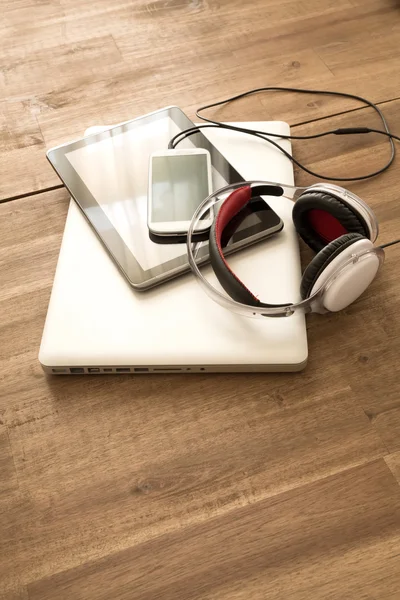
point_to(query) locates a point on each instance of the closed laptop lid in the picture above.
(95, 319)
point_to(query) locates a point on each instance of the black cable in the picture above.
(387, 133)
(179, 137)
(390, 244)
(188, 132)
(263, 134)
(342, 131)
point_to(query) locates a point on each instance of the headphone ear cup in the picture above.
(323, 259)
(320, 218)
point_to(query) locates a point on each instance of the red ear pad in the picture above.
(320, 218)
(325, 225)
(229, 281)
(227, 278)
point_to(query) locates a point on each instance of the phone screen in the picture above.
(179, 184)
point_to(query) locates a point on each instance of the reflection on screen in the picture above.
(179, 185)
(115, 170)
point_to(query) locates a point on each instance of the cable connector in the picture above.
(351, 130)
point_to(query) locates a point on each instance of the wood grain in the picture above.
(221, 486)
(375, 325)
(163, 452)
(135, 458)
(20, 593)
(8, 481)
(335, 539)
(393, 462)
(114, 61)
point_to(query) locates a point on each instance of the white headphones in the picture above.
(332, 221)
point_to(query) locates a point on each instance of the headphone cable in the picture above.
(390, 244)
(179, 137)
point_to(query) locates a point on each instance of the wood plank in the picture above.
(365, 50)
(19, 593)
(383, 409)
(39, 411)
(112, 62)
(375, 341)
(113, 450)
(67, 60)
(9, 492)
(58, 126)
(355, 155)
(8, 476)
(337, 538)
(393, 462)
(261, 486)
(155, 473)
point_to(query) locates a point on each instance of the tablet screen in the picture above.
(109, 171)
(115, 170)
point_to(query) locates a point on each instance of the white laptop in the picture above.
(97, 324)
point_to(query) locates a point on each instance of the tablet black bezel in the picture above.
(114, 244)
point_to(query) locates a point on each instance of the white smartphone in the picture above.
(179, 181)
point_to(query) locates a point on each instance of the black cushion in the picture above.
(322, 259)
(352, 221)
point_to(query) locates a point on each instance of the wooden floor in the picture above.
(214, 487)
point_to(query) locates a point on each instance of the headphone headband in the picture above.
(229, 209)
(268, 189)
(360, 264)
